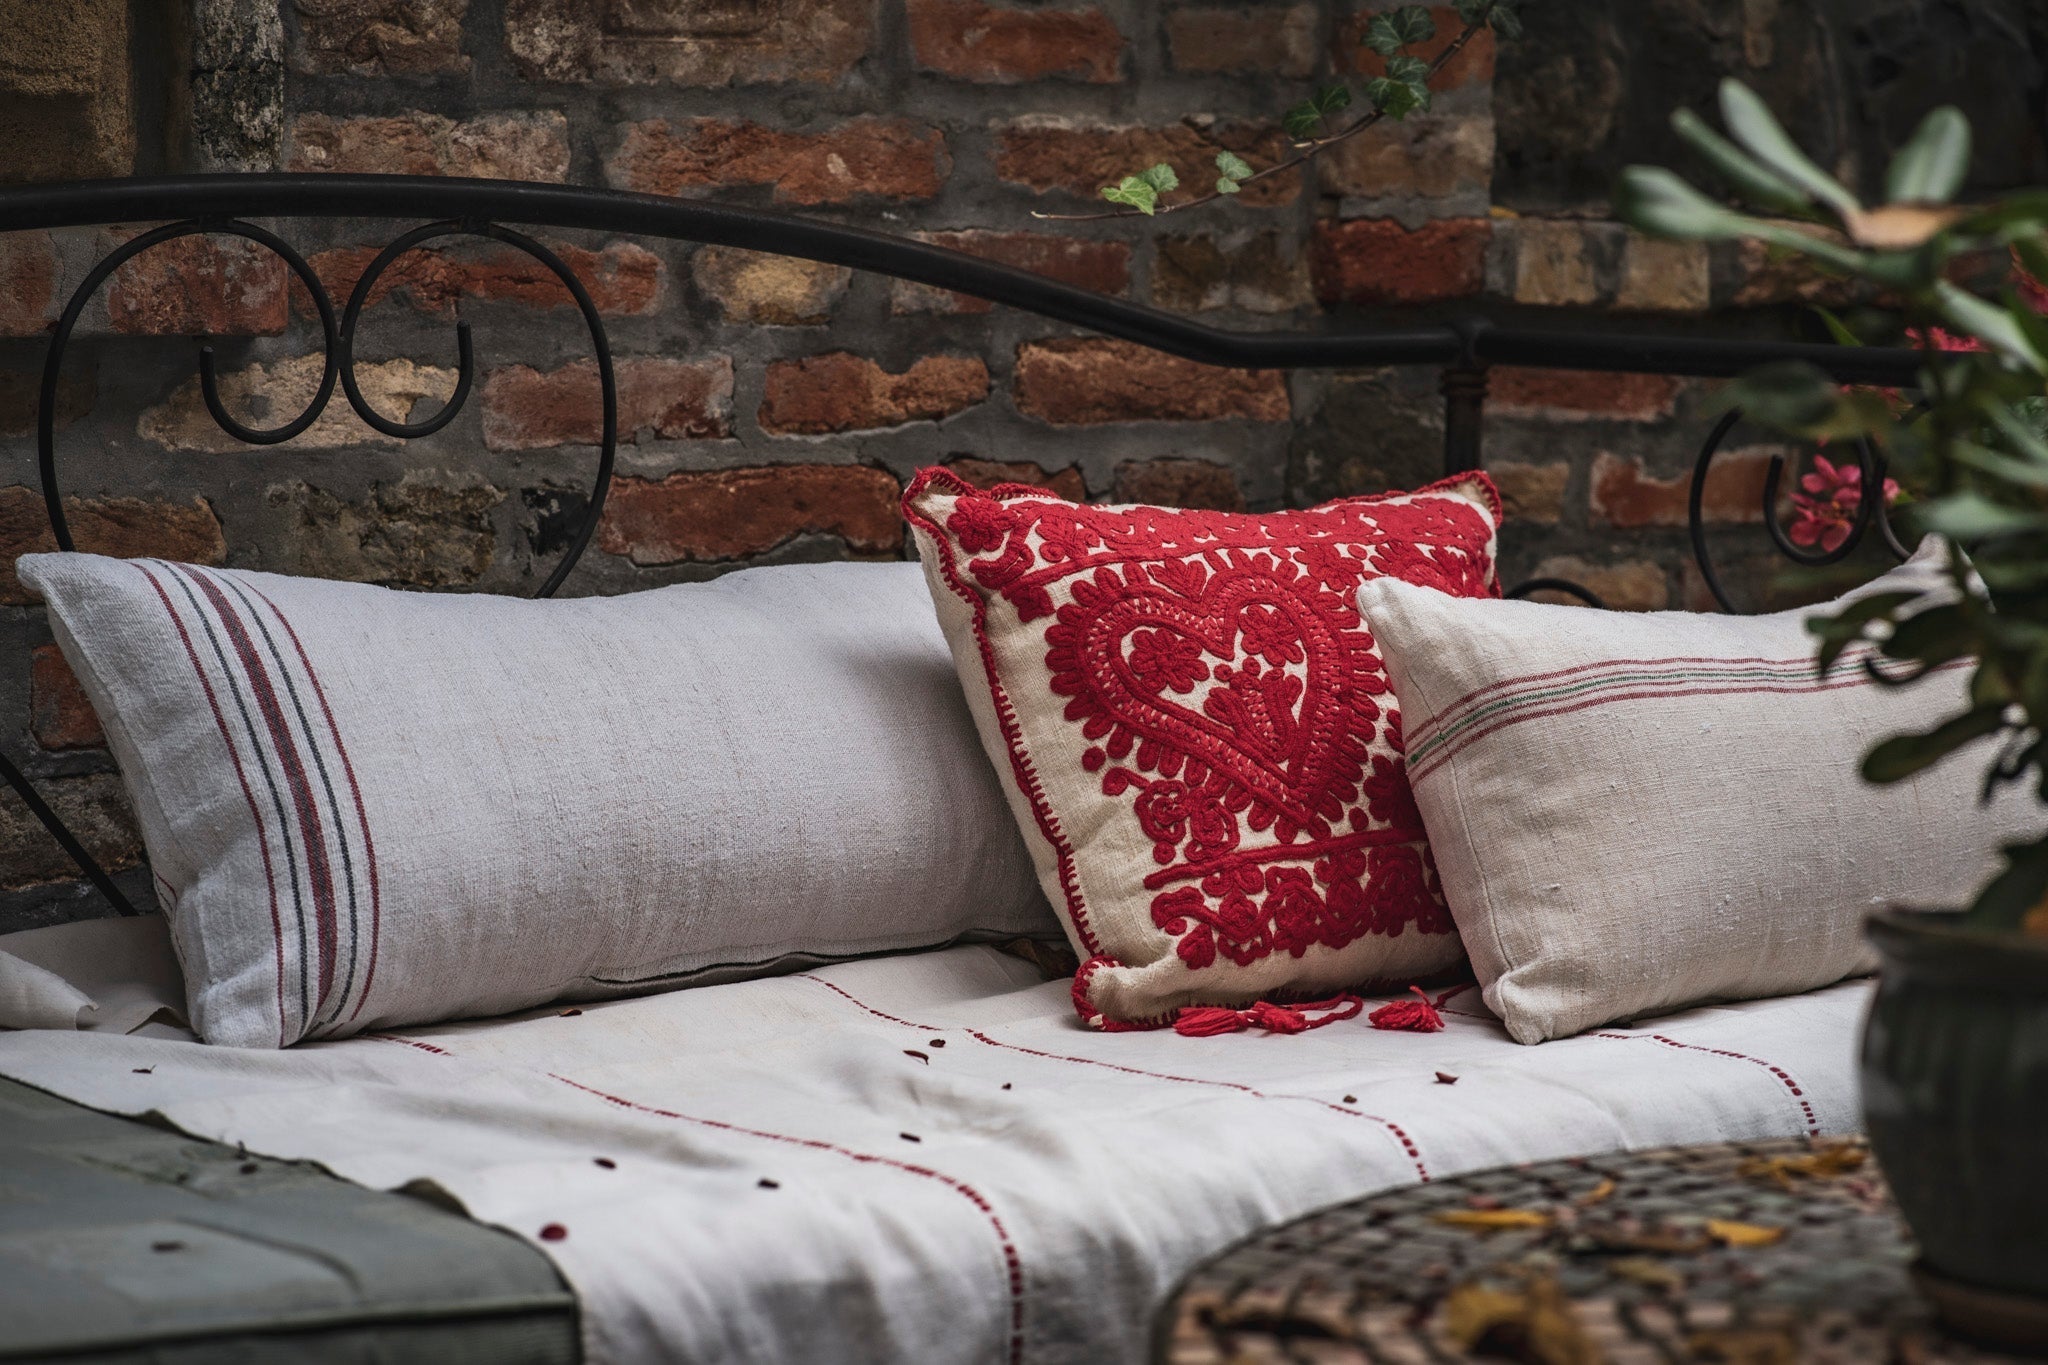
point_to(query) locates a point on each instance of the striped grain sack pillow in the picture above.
(366, 807)
(1632, 813)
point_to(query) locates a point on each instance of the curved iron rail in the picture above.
(1870, 511)
(222, 203)
(219, 197)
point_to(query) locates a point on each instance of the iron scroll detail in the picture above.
(338, 340)
(1870, 510)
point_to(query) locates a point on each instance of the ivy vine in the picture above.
(1311, 125)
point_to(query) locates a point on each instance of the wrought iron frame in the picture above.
(1463, 349)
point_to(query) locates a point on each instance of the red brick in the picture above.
(125, 528)
(622, 279)
(865, 157)
(1075, 380)
(1377, 261)
(28, 283)
(688, 42)
(756, 286)
(1425, 156)
(1473, 66)
(1104, 267)
(1048, 154)
(379, 37)
(523, 146)
(1623, 495)
(213, 286)
(1067, 482)
(59, 715)
(730, 513)
(528, 409)
(1581, 394)
(1178, 483)
(1197, 272)
(1002, 44)
(839, 391)
(1244, 41)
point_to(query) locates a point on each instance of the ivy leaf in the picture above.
(1473, 11)
(1160, 177)
(1389, 33)
(1929, 169)
(1234, 168)
(1396, 99)
(1409, 71)
(1135, 192)
(1306, 119)
(1505, 21)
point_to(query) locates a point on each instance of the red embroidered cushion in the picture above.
(1196, 730)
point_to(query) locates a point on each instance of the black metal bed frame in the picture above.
(1463, 349)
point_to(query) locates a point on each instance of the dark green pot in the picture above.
(1955, 1092)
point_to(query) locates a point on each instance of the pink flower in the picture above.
(1825, 511)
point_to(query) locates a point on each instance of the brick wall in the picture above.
(771, 409)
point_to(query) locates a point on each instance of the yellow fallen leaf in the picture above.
(1743, 1234)
(1493, 1220)
(1596, 1194)
(1822, 1163)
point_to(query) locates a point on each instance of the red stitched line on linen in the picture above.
(1013, 1263)
(1006, 714)
(362, 816)
(1433, 723)
(1784, 1076)
(1458, 746)
(410, 1042)
(242, 776)
(1011, 1260)
(1400, 1135)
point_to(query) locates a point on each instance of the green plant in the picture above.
(1403, 90)
(1974, 446)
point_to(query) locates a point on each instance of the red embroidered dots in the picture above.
(1196, 694)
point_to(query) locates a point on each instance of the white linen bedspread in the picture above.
(925, 1158)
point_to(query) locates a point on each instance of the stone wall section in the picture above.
(771, 410)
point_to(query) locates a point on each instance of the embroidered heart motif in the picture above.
(1248, 672)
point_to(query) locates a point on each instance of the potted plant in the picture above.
(1955, 1052)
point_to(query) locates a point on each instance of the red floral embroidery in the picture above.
(1223, 681)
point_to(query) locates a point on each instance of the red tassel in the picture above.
(1409, 1016)
(1204, 1021)
(1201, 1021)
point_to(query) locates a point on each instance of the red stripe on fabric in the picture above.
(1013, 1263)
(1784, 1076)
(1463, 742)
(410, 1042)
(1399, 1135)
(319, 871)
(242, 776)
(355, 791)
(1444, 716)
